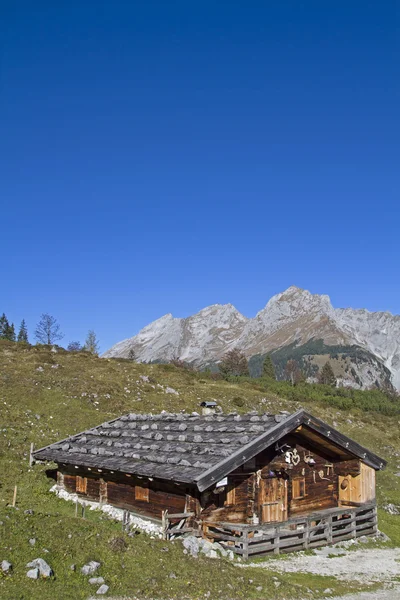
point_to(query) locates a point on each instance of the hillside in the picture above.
(365, 345)
(46, 395)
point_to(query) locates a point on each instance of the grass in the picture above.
(45, 396)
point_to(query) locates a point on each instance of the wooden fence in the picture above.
(176, 524)
(301, 533)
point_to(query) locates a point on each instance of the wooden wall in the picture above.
(357, 488)
(130, 494)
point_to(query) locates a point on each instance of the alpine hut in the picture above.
(256, 483)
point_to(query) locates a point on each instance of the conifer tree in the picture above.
(326, 375)
(268, 368)
(4, 325)
(10, 333)
(23, 332)
(91, 344)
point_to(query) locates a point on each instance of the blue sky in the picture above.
(159, 157)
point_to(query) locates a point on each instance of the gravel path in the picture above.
(390, 593)
(365, 566)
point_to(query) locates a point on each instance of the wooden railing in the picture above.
(300, 533)
(176, 524)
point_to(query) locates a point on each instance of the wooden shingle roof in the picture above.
(188, 448)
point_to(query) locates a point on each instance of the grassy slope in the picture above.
(74, 392)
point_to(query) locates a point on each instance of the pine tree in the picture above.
(10, 333)
(4, 326)
(48, 330)
(91, 344)
(234, 362)
(327, 376)
(23, 332)
(268, 368)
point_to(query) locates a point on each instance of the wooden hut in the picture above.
(257, 483)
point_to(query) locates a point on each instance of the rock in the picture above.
(191, 544)
(170, 390)
(103, 589)
(328, 591)
(44, 569)
(397, 474)
(259, 588)
(32, 541)
(277, 583)
(172, 576)
(392, 509)
(6, 566)
(90, 568)
(96, 580)
(73, 567)
(33, 574)
(29, 512)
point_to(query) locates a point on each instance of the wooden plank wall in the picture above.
(162, 496)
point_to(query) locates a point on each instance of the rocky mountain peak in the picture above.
(293, 318)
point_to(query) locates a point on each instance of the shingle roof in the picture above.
(188, 448)
(169, 446)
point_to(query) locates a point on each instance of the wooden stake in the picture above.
(31, 459)
(76, 507)
(15, 496)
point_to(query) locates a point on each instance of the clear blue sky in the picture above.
(163, 156)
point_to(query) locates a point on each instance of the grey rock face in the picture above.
(90, 568)
(293, 316)
(44, 569)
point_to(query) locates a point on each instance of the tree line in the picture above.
(47, 331)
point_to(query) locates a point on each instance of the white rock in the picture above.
(33, 573)
(6, 566)
(90, 567)
(44, 569)
(103, 589)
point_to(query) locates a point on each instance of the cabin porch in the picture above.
(319, 528)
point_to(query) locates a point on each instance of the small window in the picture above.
(81, 484)
(298, 488)
(141, 493)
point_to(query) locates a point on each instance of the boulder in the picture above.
(90, 568)
(96, 580)
(6, 566)
(33, 573)
(44, 569)
(103, 589)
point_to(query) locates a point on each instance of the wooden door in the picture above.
(273, 500)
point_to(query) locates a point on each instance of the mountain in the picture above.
(363, 346)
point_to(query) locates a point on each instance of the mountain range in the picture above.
(362, 346)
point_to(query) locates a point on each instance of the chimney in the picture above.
(208, 408)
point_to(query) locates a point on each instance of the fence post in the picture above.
(164, 524)
(353, 524)
(245, 544)
(277, 539)
(31, 460)
(306, 534)
(15, 496)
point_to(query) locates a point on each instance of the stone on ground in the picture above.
(90, 567)
(44, 569)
